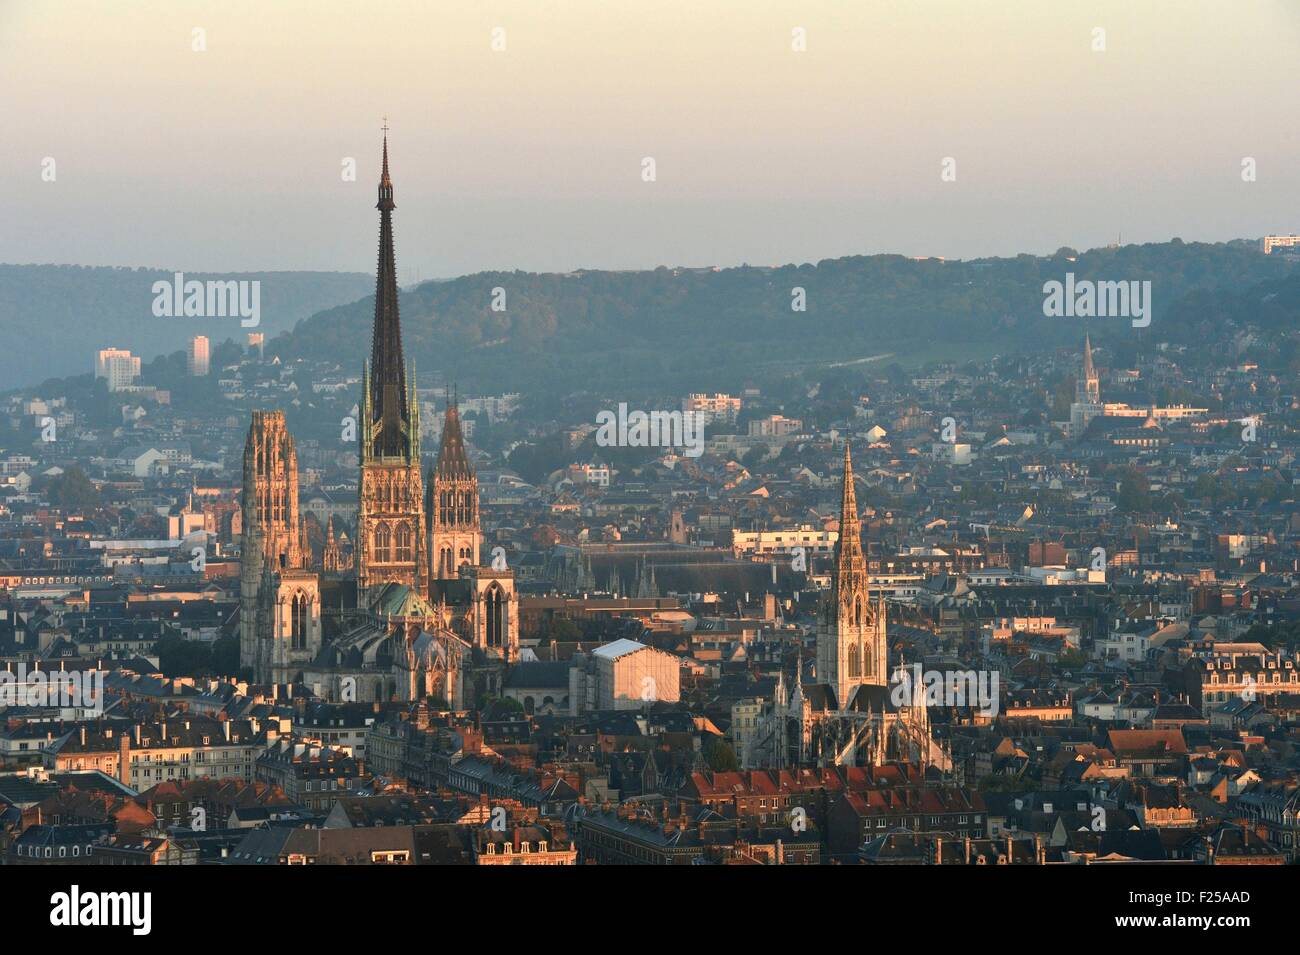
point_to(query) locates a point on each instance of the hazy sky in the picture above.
(531, 157)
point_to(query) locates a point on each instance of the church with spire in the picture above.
(1087, 406)
(1087, 393)
(846, 714)
(391, 545)
(409, 614)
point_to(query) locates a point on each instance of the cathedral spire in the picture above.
(389, 412)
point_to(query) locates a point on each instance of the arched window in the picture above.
(403, 540)
(446, 562)
(383, 544)
(855, 669)
(299, 619)
(494, 607)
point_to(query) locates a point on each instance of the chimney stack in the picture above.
(124, 758)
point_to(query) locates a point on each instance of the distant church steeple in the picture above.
(1087, 390)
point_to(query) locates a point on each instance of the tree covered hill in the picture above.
(674, 329)
(55, 317)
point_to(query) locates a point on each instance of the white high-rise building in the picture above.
(198, 356)
(118, 367)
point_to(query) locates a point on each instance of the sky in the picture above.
(520, 130)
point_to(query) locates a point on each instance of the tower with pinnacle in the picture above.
(454, 532)
(1088, 387)
(1087, 393)
(851, 641)
(280, 611)
(391, 541)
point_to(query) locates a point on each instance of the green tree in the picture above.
(720, 756)
(1134, 492)
(73, 491)
(225, 656)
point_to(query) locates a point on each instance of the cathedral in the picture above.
(409, 614)
(849, 714)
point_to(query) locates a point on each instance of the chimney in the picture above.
(968, 850)
(1011, 849)
(938, 851)
(83, 735)
(124, 758)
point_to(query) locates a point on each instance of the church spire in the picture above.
(849, 557)
(1088, 388)
(389, 413)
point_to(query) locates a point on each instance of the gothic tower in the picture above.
(279, 614)
(1087, 390)
(454, 534)
(390, 544)
(851, 642)
(270, 503)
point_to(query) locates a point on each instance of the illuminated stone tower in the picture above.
(279, 614)
(390, 544)
(851, 642)
(454, 532)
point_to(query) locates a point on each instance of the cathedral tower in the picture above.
(454, 534)
(279, 613)
(390, 544)
(851, 642)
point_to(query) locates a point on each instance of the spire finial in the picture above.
(384, 178)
